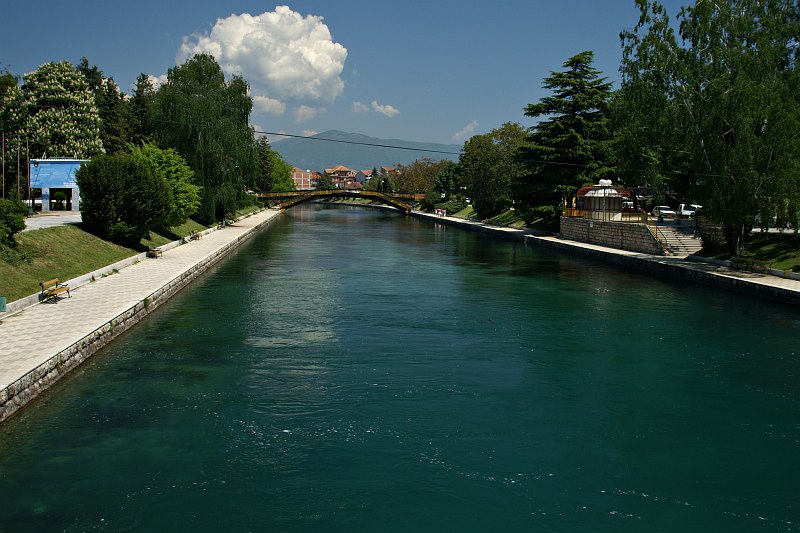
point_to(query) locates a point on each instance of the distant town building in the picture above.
(304, 180)
(363, 176)
(341, 172)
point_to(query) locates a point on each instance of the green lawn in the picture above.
(509, 218)
(772, 250)
(66, 252)
(468, 212)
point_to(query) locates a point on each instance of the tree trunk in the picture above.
(734, 236)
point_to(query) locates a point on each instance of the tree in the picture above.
(570, 147)
(206, 119)
(480, 164)
(12, 220)
(122, 197)
(644, 117)
(732, 98)
(59, 113)
(325, 183)
(274, 174)
(448, 180)
(139, 109)
(179, 177)
(419, 176)
(7, 81)
(489, 165)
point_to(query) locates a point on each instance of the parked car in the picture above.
(663, 211)
(688, 210)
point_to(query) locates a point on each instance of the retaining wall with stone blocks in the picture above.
(621, 235)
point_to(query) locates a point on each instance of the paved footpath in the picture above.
(30, 339)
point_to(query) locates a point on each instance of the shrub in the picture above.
(123, 197)
(180, 179)
(12, 220)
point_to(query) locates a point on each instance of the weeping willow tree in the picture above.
(206, 120)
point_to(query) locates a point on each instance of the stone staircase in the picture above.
(679, 241)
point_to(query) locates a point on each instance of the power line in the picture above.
(357, 142)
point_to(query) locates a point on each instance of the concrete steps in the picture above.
(680, 241)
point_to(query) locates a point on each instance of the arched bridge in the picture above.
(400, 201)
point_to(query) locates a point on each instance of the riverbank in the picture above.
(714, 273)
(43, 342)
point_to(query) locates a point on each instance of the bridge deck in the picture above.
(400, 201)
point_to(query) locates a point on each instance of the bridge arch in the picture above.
(400, 201)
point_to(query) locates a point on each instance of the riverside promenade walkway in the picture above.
(692, 268)
(43, 342)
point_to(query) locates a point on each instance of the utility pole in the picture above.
(17, 166)
(28, 167)
(3, 134)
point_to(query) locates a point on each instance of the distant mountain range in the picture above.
(357, 151)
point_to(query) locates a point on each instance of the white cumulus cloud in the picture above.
(387, 110)
(269, 105)
(465, 131)
(157, 81)
(304, 113)
(282, 54)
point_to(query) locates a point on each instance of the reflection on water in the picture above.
(351, 369)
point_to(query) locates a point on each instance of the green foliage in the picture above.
(60, 198)
(7, 81)
(114, 119)
(325, 183)
(488, 165)
(448, 181)
(123, 197)
(729, 98)
(180, 179)
(570, 147)
(643, 115)
(139, 110)
(454, 205)
(419, 176)
(12, 220)
(206, 119)
(274, 174)
(59, 113)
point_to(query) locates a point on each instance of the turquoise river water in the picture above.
(353, 370)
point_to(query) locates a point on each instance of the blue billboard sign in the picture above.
(54, 173)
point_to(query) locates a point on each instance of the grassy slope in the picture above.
(507, 218)
(66, 252)
(773, 250)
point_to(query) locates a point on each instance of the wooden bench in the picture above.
(52, 288)
(154, 252)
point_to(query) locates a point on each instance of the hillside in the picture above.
(316, 154)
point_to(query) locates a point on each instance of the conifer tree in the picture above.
(570, 147)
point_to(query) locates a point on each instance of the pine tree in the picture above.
(571, 146)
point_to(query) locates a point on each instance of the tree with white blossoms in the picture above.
(55, 111)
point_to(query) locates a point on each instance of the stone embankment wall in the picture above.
(625, 236)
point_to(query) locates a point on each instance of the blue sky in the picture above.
(433, 71)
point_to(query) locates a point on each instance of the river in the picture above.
(350, 369)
